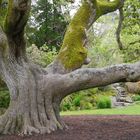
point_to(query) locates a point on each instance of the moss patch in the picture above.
(16, 19)
(73, 53)
(3, 11)
(105, 7)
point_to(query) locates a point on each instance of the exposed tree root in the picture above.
(29, 130)
(26, 125)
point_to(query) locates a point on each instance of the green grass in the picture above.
(130, 110)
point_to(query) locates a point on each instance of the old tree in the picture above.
(36, 92)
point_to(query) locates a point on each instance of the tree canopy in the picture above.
(48, 23)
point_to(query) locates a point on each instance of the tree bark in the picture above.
(119, 28)
(36, 93)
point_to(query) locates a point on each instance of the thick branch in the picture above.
(15, 21)
(106, 6)
(17, 16)
(73, 52)
(90, 77)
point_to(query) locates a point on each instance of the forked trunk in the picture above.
(33, 108)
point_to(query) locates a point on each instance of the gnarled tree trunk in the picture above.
(35, 92)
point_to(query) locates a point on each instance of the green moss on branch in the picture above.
(73, 52)
(3, 10)
(16, 17)
(104, 6)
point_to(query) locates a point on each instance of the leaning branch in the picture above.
(85, 78)
(73, 52)
(119, 28)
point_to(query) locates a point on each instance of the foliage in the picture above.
(131, 32)
(77, 99)
(86, 105)
(47, 23)
(4, 98)
(104, 102)
(132, 16)
(103, 48)
(136, 98)
(43, 56)
(86, 99)
(67, 103)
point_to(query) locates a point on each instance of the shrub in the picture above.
(87, 99)
(65, 106)
(43, 56)
(86, 105)
(136, 98)
(104, 102)
(77, 99)
(4, 98)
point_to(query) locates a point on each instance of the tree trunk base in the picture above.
(25, 125)
(33, 107)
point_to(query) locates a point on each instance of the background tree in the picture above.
(35, 92)
(48, 23)
(130, 33)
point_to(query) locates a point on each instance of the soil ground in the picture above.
(96, 127)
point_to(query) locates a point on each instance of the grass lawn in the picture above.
(130, 110)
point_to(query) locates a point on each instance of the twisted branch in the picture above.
(119, 28)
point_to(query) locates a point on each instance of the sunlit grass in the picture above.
(130, 110)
